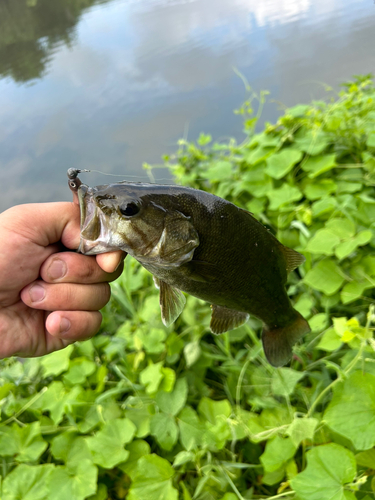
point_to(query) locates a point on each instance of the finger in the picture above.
(73, 325)
(51, 222)
(69, 267)
(110, 261)
(65, 296)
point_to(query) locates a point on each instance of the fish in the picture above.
(196, 242)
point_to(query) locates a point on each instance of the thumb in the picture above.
(45, 223)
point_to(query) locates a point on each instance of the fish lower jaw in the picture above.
(87, 247)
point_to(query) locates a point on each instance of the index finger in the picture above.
(70, 267)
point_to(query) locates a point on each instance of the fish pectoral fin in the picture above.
(177, 243)
(172, 302)
(278, 342)
(199, 270)
(293, 258)
(224, 319)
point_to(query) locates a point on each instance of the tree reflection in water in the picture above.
(30, 30)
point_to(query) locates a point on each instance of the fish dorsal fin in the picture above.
(172, 302)
(224, 319)
(293, 258)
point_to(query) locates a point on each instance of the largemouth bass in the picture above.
(195, 242)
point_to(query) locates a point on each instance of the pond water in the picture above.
(110, 85)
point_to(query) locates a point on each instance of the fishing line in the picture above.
(73, 172)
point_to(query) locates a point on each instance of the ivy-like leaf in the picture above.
(107, 446)
(351, 411)
(325, 276)
(279, 164)
(27, 482)
(329, 468)
(152, 479)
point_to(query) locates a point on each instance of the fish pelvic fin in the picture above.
(172, 302)
(292, 257)
(224, 319)
(278, 342)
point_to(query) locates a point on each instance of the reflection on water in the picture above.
(30, 31)
(110, 85)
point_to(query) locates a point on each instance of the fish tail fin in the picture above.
(278, 342)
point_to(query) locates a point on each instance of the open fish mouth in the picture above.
(95, 236)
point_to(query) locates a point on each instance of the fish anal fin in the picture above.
(292, 257)
(172, 302)
(278, 342)
(224, 319)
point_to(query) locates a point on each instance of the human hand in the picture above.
(49, 298)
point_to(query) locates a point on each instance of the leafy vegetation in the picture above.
(147, 412)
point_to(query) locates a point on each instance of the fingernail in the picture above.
(121, 262)
(37, 293)
(64, 325)
(57, 269)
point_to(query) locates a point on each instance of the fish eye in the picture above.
(129, 209)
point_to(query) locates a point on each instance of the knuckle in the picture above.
(87, 270)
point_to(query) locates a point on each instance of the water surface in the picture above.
(110, 85)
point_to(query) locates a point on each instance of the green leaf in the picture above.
(343, 228)
(56, 362)
(301, 429)
(329, 468)
(219, 171)
(151, 377)
(323, 207)
(353, 291)
(278, 451)
(279, 164)
(323, 242)
(258, 154)
(183, 457)
(107, 446)
(351, 411)
(366, 458)
(141, 419)
(210, 409)
(325, 276)
(256, 181)
(371, 140)
(283, 196)
(66, 483)
(347, 247)
(152, 340)
(79, 370)
(57, 400)
(330, 341)
(284, 381)
(319, 189)
(192, 352)
(24, 442)
(27, 483)
(164, 428)
(152, 479)
(317, 165)
(70, 449)
(173, 402)
(137, 449)
(311, 142)
(191, 429)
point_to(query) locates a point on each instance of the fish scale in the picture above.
(198, 243)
